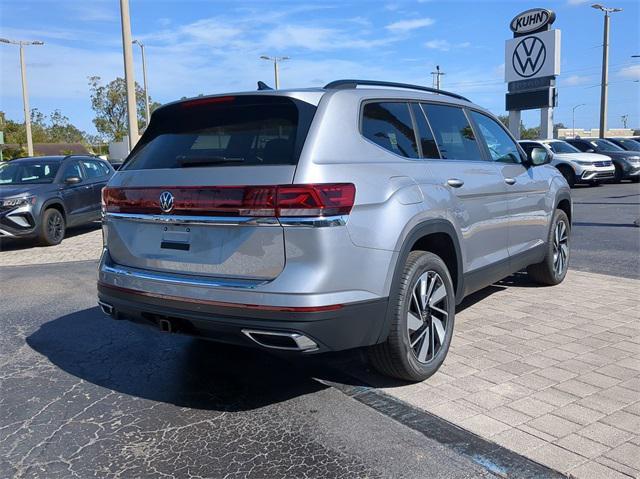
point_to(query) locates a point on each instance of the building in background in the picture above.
(594, 132)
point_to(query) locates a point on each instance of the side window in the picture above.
(72, 169)
(427, 141)
(93, 169)
(389, 126)
(454, 135)
(501, 147)
(581, 146)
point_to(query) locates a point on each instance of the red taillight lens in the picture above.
(316, 200)
(283, 200)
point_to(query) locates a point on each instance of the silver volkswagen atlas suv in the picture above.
(312, 220)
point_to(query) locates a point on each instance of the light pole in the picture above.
(573, 119)
(25, 91)
(605, 66)
(132, 113)
(144, 77)
(275, 61)
(436, 77)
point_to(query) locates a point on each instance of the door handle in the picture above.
(455, 182)
(510, 181)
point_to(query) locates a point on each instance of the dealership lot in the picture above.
(550, 373)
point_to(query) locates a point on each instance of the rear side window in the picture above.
(452, 132)
(389, 125)
(224, 131)
(94, 169)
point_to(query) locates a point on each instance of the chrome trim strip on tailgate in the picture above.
(197, 220)
(181, 280)
(294, 221)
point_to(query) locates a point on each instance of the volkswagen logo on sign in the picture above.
(529, 56)
(166, 201)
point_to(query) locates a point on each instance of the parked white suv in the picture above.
(575, 165)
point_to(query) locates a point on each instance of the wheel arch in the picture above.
(437, 236)
(54, 203)
(564, 203)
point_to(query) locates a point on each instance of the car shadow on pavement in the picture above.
(11, 244)
(187, 372)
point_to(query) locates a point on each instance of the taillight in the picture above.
(315, 200)
(283, 200)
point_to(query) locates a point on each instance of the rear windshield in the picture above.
(224, 131)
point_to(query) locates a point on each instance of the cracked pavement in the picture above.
(82, 395)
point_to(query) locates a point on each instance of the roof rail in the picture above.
(348, 84)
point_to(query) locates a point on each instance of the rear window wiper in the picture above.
(186, 161)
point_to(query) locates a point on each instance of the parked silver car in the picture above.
(324, 219)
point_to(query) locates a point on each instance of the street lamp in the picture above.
(144, 77)
(275, 61)
(25, 92)
(573, 119)
(130, 82)
(605, 66)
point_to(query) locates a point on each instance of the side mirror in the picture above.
(72, 180)
(540, 156)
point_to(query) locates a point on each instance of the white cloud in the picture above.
(577, 2)
(632, 72)
(442, 45)
(573, 80)
(407, 25)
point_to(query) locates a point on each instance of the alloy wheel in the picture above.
(54, 227)
(427, 316)
(560, 248)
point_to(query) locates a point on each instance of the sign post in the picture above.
(532, 62)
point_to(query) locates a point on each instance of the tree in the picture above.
(110, 105)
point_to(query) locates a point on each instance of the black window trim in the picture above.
(426, 119)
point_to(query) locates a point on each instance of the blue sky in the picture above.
(211, 46)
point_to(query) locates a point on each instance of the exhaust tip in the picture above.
(106, 308)
(283, 341)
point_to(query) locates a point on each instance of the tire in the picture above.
(595, 183)
(635, 179)
(396, 357)
(617, 178)
(52, 227)
(549, 271)
(569, 176)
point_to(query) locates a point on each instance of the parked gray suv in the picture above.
(41, 196)
(313, 220)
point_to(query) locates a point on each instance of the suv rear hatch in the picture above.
(197, 194)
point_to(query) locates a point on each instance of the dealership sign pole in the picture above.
(532, 63)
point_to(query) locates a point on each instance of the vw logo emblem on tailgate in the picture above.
(529, 57)
(166, 201)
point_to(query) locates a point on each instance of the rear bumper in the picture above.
(333, 329)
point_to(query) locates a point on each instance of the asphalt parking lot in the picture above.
(605, 238)
(83, 395)
(86, 396)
